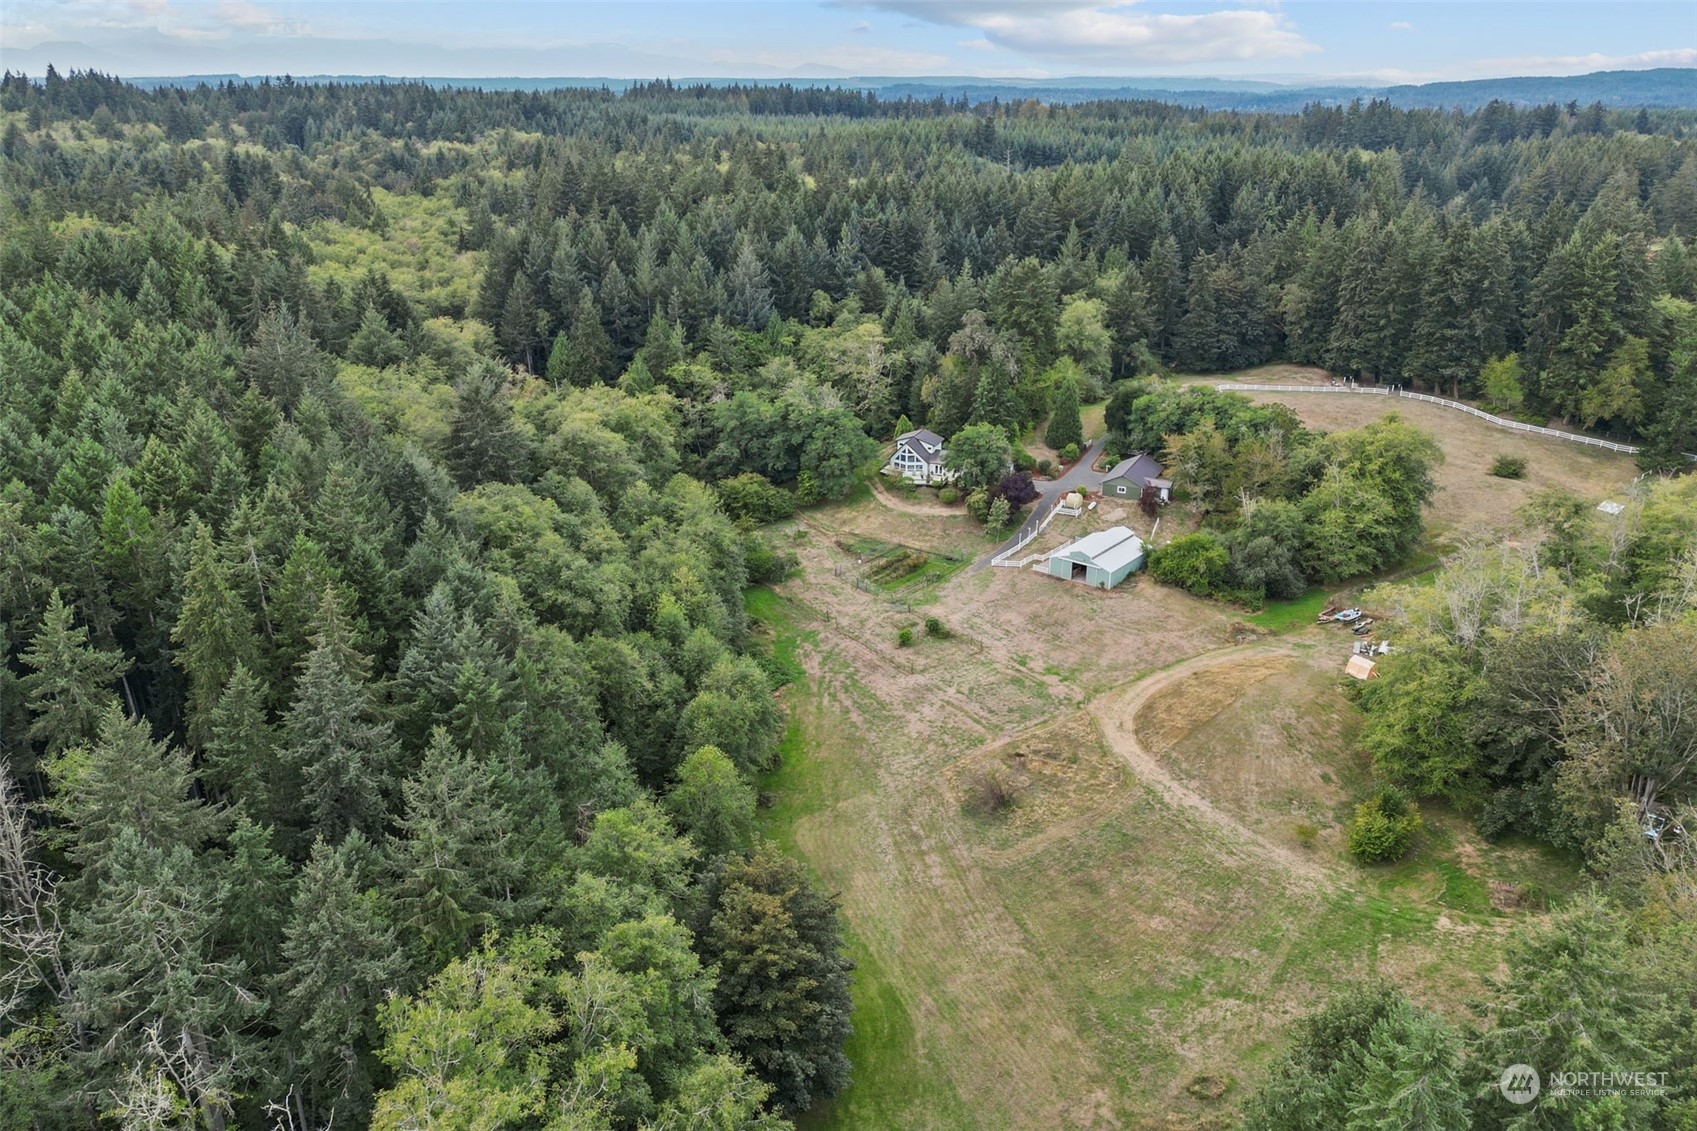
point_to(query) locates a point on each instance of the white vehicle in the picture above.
(1348, 615)
(1656, 827)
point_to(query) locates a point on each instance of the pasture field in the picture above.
(1470, 500)
(1124, 945)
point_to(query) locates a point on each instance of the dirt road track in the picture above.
(1116, 713)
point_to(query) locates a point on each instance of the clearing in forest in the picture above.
(1169, 887)
(1469, 498)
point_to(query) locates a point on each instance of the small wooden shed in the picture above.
(1361, 667)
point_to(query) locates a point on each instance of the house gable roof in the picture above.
(922, 442)
(1139, 469)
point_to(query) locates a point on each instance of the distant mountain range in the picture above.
(1664, 87)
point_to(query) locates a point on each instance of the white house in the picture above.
(919, 457)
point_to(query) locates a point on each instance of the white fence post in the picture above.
(1511, 425)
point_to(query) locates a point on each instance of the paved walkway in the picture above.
(1051, 492)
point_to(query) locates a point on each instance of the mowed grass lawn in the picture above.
(1109, 958)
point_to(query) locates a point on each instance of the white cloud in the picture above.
(864, 27)
(1401, 25)
(1113, 33)
(249, 17)
(1584, 64)
(979, 44)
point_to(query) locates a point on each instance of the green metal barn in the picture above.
(1101, 560)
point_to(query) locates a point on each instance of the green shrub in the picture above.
(978, 504)
(1069, 453)
(904, 638)
(1045, 465)
(1384, 827)
(934, 627)
(751, 496)
(1022, 460)
(765, 562)
(948, 496)
(1195, 562)
(1508, 467)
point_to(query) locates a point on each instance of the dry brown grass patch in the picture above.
(1469, 497)
(1054, 775)
(1178, 710)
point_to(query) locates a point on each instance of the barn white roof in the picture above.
(1109, 549)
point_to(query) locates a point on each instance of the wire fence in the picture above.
(1500, 422)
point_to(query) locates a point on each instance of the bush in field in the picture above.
(934, 627)
(1069, 453)
(1384, 827)
(765, 562)
(992, 790)
(904, 638)
(1508, 467)
(948, 496)
(1195, 562)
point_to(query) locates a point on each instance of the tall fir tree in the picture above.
(70, 685)
(1065, 427)
(341, 956)
(335, 747)
(213, 633)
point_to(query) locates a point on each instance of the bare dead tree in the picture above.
(30, 931)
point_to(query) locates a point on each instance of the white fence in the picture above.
(1034, 526)
(1511, 425)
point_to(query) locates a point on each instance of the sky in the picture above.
(1392, 41)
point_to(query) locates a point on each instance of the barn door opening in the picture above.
(1079, 570)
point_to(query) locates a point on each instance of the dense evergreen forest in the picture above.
(380, 475)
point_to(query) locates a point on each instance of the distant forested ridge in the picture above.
(1406, 245)
(1658, 87)
(381, 469)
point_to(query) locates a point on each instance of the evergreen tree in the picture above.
(483, 444)
(662, 348)
(519, 330)
(126, 781)
(214, 632)
(748, 294)
(240, 748)
(993, 402)
(283, 363)
(1064, 425)
(374, 343)
(592, 352)
(454, 855)
(341, 957)
(148, 988)
(334, 746)
(782, 996)
(69, 687)
(256, 890)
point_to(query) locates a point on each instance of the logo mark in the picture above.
(1520, 1083)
